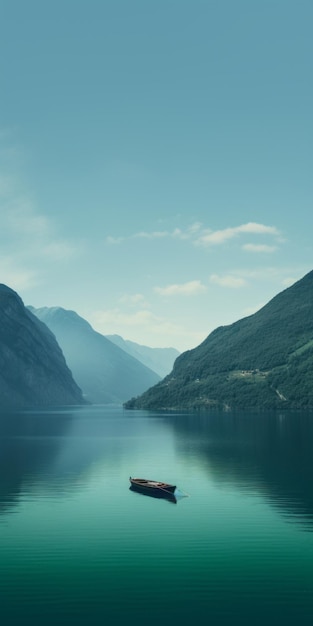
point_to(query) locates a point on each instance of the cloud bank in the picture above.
(200, 236)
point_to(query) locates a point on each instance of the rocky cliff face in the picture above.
(33, 371)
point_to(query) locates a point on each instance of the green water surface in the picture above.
(78, 547)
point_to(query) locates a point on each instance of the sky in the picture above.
(156, 170)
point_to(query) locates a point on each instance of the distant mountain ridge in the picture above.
(160, 360)
(105, 372)
(33, 371)
(261, 361)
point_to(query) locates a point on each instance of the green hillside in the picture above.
(262, 361)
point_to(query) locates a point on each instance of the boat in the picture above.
(153, 488)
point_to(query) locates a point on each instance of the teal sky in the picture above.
(156, 159)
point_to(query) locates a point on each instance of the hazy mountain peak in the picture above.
(60, 315)
(160, 360)
(104, 371)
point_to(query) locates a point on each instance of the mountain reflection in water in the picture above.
(268, 453)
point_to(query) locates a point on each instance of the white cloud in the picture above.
(192, 288)
(251, 247)
(176, 233)
(218, 237)
(228, 281)
(253, 227)
(206, 237)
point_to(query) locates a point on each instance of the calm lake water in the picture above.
(78, 547)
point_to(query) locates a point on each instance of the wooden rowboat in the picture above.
(153, 488)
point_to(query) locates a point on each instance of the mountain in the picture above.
(262, 361)
(159, 360)
(33, 371)
(104, 371)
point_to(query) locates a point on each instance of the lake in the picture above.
(79, 547)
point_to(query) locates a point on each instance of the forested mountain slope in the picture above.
(264, 361)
